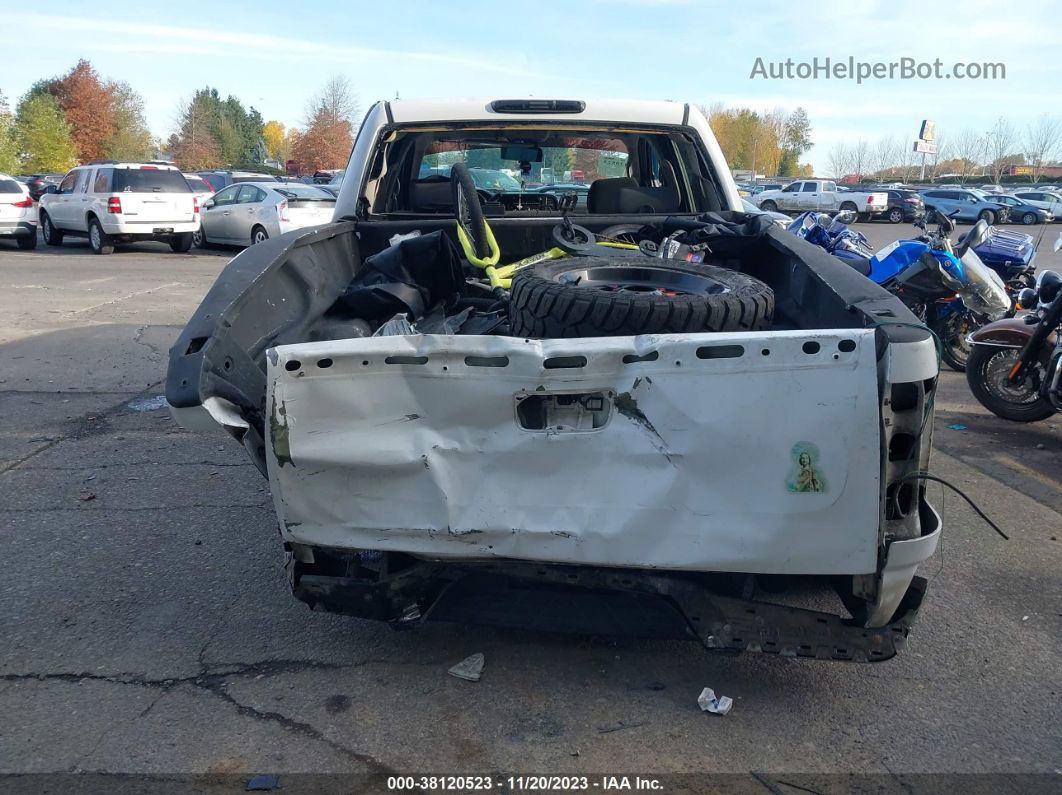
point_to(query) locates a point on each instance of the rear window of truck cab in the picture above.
(532, 170)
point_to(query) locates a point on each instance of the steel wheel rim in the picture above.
(643, 280)
(957, 327)
(996, 371)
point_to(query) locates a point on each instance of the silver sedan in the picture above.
(250, 212)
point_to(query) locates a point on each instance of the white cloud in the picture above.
(152, 37)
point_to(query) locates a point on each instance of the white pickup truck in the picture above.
(647, 412)
(821, 195)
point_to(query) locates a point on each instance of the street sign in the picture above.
(925, 147)
(928, 130)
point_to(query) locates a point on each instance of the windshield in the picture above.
(981, 288)
(149, 180)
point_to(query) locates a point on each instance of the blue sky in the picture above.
(274, 54)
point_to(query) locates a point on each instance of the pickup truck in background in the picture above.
(821, 195)
(658, 445)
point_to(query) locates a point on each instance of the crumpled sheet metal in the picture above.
(696, 472)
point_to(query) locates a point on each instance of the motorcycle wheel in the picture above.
(986, 373)
(952, 330)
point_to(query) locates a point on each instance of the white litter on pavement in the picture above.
(717, 706)
(469, 668)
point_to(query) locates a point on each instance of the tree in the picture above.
(968, 148)
(8, 146)
(839, 160)
(748, 140)
(329, 133)
(885, 156)
(1041, 140)
(131, 138)
(795, 140)
(291, 138)
(860, 154)
(336, 102)
(273, 134)
(88, 107)
(194, 147)
(43, 136)
(1000, 147)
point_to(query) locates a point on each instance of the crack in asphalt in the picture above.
(113, 509)
(211, 680)
(138, 338)
(19, 461)
(140, 465)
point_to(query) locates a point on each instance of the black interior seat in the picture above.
(431, 195)
(605, 194)
(624, 196)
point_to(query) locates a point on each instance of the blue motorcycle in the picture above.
(949, 288)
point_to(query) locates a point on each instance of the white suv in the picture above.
(18, 215)
(112, 202)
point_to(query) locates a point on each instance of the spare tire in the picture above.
(614, 297)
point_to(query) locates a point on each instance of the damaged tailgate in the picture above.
(752, 451)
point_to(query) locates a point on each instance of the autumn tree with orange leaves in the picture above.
(329, 133)
(88, 107)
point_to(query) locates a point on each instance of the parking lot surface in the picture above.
(148, 627)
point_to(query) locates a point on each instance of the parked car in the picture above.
(220, 178)
(821, 194)
(112, 202)
(1021, 211)
(1044, 199)
(559, 444)
(965, 205)
(201, 189)
(992, 188)
(757, 189)
(250, 212)
(18, 214)
(904, 205)
(38, 183)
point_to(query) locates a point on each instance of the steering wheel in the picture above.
(468, 209)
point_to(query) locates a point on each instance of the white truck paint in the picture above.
(432, 459)
(820, 194)
(768, 452)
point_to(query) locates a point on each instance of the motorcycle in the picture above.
(948, 288)
(1015, 368)
(1011, 255)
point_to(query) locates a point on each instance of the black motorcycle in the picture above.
(1015, 368)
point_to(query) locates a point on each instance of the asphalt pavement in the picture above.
(147, 626)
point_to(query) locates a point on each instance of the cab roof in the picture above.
(405, 111)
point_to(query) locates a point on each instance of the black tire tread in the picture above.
(460, 176)
(542, 307)
(1041, 409)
